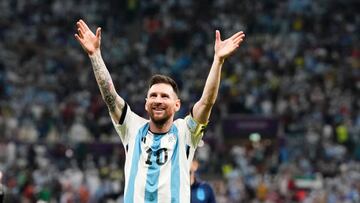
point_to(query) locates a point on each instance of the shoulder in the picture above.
(130, 117)
(128, 125)
(188, 122)
(179, 121)
(205, 185)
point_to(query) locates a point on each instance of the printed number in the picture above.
(149, 152)
(158, 156)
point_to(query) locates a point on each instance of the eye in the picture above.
(152, 95)
(165, 96)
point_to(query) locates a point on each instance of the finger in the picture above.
(80, 26)
(80, 33)
(98, 32)
(239, 39)
(84, 25)
(236, 35)
(241, 36)
(78, 38)
(217, 36)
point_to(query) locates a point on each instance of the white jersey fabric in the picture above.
(157, 166)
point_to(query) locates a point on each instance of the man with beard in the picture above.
(158, 150)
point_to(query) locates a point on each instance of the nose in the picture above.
(156, 99)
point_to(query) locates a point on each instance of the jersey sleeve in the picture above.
(196, 130)
(128, 124)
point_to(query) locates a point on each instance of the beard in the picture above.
(159, 121)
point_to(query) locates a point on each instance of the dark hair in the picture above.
(156, 79)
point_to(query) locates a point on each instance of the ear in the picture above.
(177, 104)
(146, 108)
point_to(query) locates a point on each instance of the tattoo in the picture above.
(109, 98)
(104, 81)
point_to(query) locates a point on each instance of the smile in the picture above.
(158, 110)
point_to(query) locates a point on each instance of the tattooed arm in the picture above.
(91, 44)
(113, 101)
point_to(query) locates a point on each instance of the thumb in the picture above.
(98, 32)
(217, 36)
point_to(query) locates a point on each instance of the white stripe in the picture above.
(141, 176)
(164, 189)
(184, 163)
(128, 160)
(130, 128)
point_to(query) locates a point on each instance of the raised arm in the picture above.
(91, 45)
(223, 49)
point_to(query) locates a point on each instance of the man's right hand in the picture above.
(89, 42)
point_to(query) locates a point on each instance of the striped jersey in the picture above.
(157, 166)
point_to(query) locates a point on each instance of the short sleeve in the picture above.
(128, 125)
(196, 130)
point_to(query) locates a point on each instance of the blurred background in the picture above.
(285, 128)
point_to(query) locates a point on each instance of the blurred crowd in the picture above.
(300, 64)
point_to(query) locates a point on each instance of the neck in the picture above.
(163, 128)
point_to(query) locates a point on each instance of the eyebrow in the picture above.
(162, 94)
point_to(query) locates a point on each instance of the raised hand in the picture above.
(89, 42)
(225, 48)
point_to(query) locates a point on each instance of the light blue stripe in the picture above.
(152, 179)
(129, 195)
(175, 169)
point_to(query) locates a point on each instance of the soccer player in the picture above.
(201, 191)
(158, 150)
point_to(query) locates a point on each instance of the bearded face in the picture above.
(161, 103)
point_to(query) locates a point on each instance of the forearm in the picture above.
(202, 108)
(212, 84)
(104, 80)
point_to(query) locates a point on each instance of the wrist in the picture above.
(219, 59)
(97, 52)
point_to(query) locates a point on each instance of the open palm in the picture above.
(225, 48)
(87, 39)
